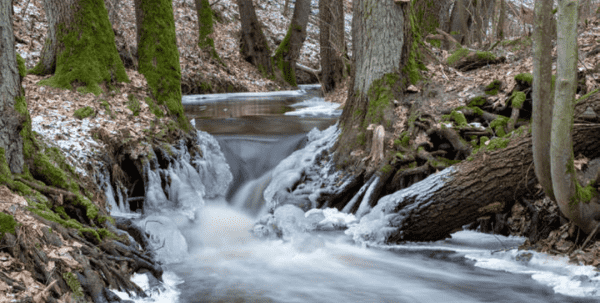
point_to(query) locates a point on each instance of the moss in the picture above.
(26, 133)
(476, 110)
(457, 55)
(159, 57)
(7, 224)
(21, 65)
(134, 105)
(499, 124)
(477, 101)
(74, 284)
(487, 56)
(518, 98)
(361, 139)
(155, 109)
(482, 140)
(584, 97)
(585, 194)
(459, 118)
(493, 88)
(386, 169)
(50, 173)
(497, 143)
(289, 73)
(381, 97)
(524, 78)
(83, 112)
(205, 18)
(89, 55)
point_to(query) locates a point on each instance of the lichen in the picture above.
(83, 112)
(524, 78)
(518, 98)
(89, 55)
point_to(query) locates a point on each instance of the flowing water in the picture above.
(211, 256)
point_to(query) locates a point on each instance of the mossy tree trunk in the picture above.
(10, 90)
(80, 46)
(158, 55)
(205, 25)
(288, 51)
(331, 39)
(571, 198)
(253, 43)
(501, 18)
(382, 38)
(542, 94)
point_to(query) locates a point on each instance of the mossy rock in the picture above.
(524, 79)
(7, 224)
(457, 55)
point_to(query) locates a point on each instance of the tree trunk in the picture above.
(460, 22)
(288, 51)
(332, 42)
(444, 202)
(542, 94)
(80, 43)
(501, 18)
(158, 54)
(253, 44)
(382, 40)
(205, 25)
(11, 143)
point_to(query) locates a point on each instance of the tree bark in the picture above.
(542, 94)
(253, 44)
(80, 46)
(288, 51)
(461, 21)
(11, 142)
(444, 202)
(331, 39)
(501, 18)
(158, 55)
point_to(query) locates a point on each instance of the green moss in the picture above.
(26, 133)
(497, 143)
(74, 284)
(488, 56)
(584, 97)
(459, 118)
(155, 109)
(89, 55)
(477, 101)
(386, 169)
(83, 112)
(381, 96)
(524, 78)
(205, 17)
(289, 73)
(134, 105)
(361, 139)
(476, 110)
(493, 88)
(159, 57)
(499, 124)
(457, 55)
(482, 140)
(7, 224)
(517, 99)
(21, 65)
(585, 194)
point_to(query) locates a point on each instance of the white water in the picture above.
(211, 256)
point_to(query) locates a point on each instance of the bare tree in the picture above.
(158, 54)
(331, 38)
(573, 201)
(542, 95)
(253, 43)
(11, 142)
(288, 51)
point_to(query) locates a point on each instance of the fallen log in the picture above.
(444, 202)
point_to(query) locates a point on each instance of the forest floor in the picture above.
(52, 110)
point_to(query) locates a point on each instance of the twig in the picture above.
(25, 10)
(214, 3)
(590, 236)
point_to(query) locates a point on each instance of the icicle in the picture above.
(358, 195)
(364, 205)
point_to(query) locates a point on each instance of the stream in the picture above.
(204, 234)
